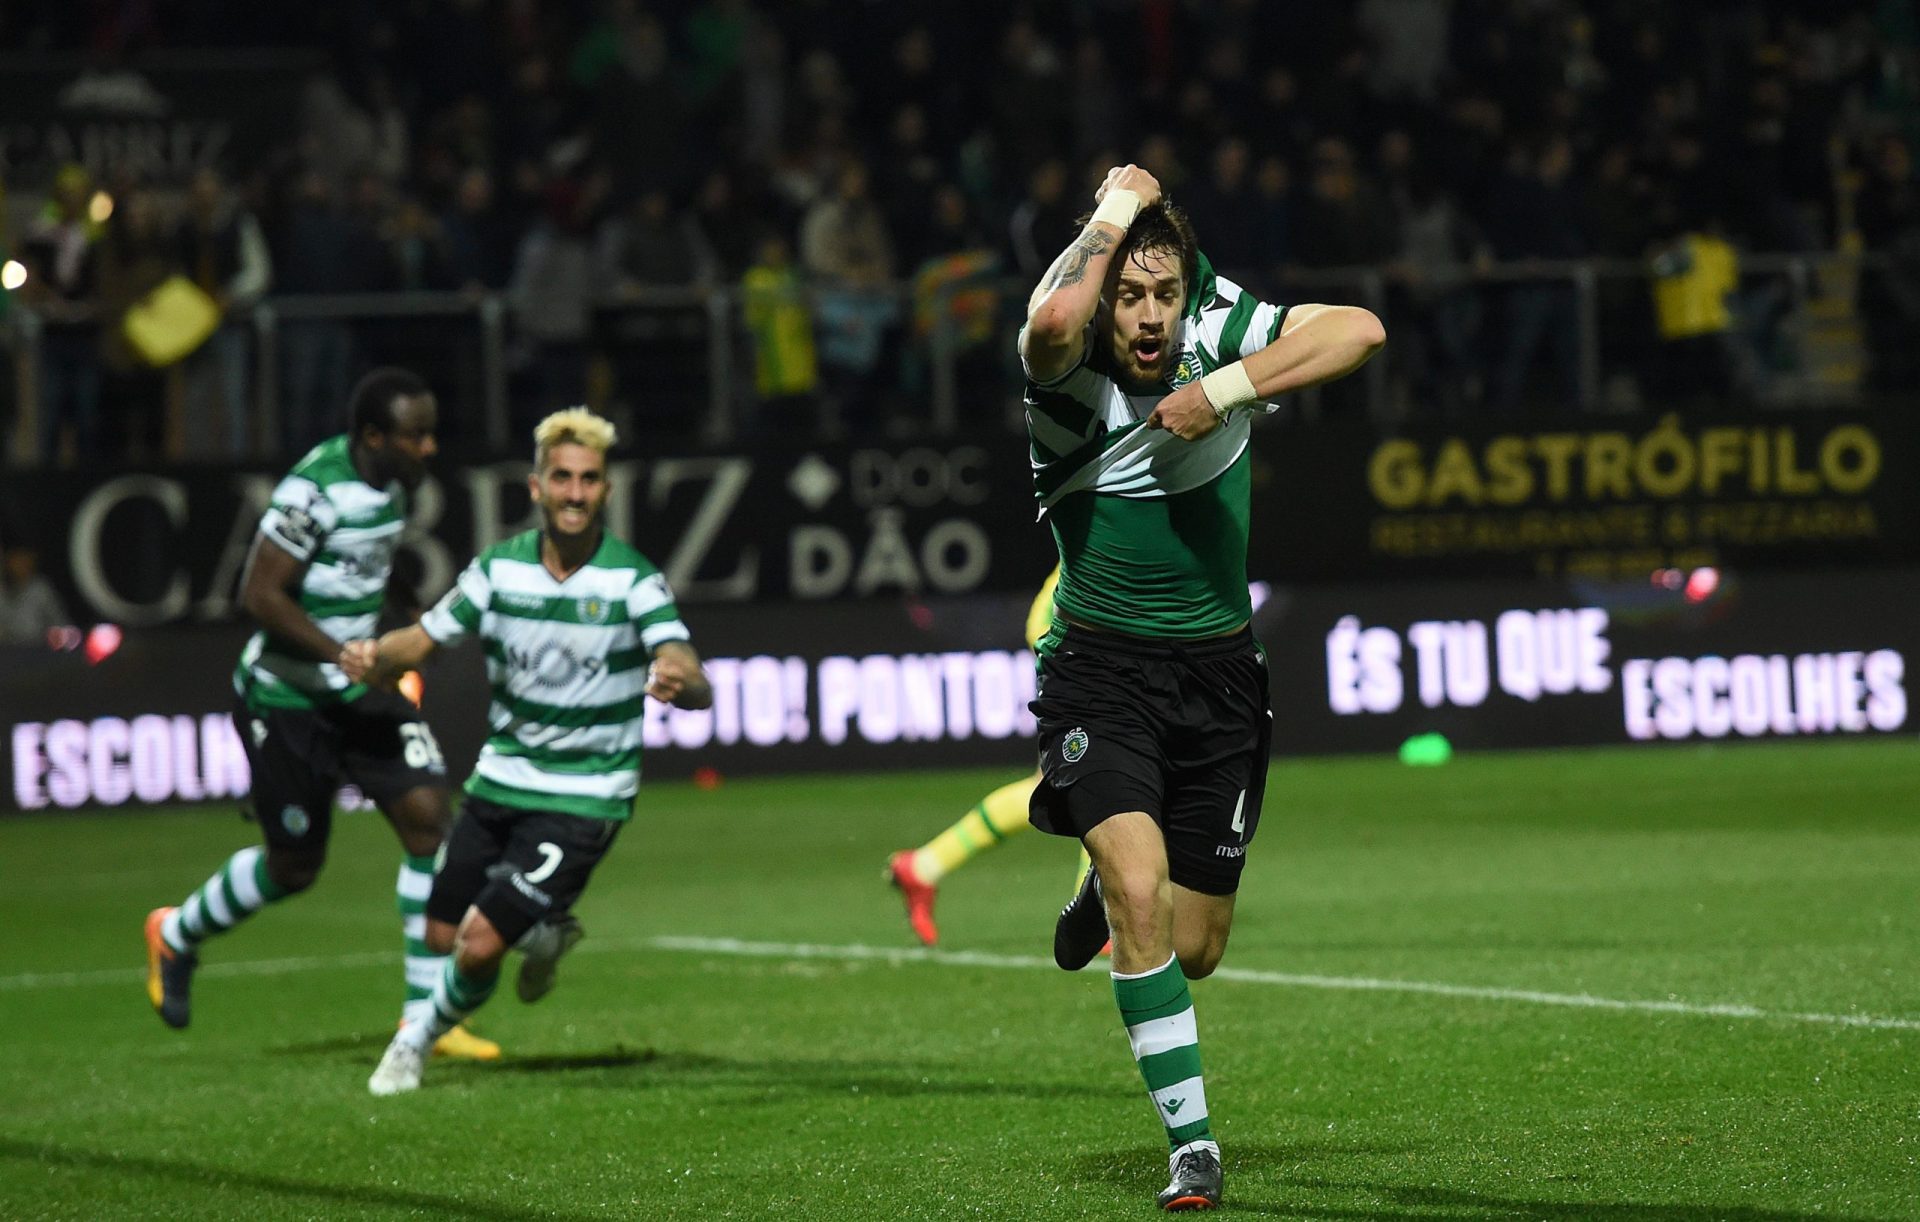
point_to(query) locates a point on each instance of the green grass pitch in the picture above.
(1671, 984)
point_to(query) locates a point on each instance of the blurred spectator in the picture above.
(1162, 152)
(221, 248)
(911, 76)
(1696, 186)
(29, 605)
(1617, 217)
(956, 301)
(1887, 212)
(785, 374)
(1342, 221)
(848, 255)
(1616, 206)
(1029, 121)
(1409, 41)
(1226, 198)
(1439, 250)
(1759, 169)
(1276, 124)
(137, 254)
(642, 112)
(650, 244)
(654, 350)
(843, 236)
(763, 94)
(1397, 166)
(325, 248)
(533, 116)
(1098, 107)
(416, 246)
(478, 239)
(342, 136)
(62, 259)
(716, 36)
(911, 171)
(458, 140)
(856, 329)
(552, 291)
(1532, 215)
(726, 223)
(1273, 195)
(1043, 222)
(1694, 275)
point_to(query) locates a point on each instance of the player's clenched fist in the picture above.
(668, 676)
(1130, 178)
(357, 658)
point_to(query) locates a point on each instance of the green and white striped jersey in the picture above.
(346, 531)
(1152, 530)
(568, 664)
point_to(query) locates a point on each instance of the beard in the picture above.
(568, 521)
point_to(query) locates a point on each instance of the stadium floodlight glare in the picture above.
(13, 274)
(100, 207)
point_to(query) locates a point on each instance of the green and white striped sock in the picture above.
(1158, 1013)
(455, 995)
(423, 966)
(236, 891)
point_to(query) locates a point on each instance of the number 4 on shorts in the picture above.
(420, 749)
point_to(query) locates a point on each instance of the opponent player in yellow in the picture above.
(1002, 813)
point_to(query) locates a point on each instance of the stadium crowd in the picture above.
(851, 168)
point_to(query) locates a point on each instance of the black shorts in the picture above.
(300, 757)
(1179, 730)
(517, 866)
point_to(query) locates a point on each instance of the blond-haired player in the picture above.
(580, 629)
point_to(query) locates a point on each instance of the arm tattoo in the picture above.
(1071, 266)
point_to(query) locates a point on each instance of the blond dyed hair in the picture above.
(574, 426)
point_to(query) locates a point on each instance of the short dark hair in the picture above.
(1161, 226)
(372, 401)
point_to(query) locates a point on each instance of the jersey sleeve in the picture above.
(457, 615)
(1063, 413)
(1235, 324)
(651, 609)
(299, 518)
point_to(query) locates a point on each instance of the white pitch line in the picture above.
(802, 950)
(845, 953)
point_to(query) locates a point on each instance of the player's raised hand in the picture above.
(668, 677)
(1130, 178)
(357, 659)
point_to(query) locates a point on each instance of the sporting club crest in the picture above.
(1186, 369)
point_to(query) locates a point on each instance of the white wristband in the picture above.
(1228, 388)
(1118, 208)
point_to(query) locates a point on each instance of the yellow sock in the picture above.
(1000, 814)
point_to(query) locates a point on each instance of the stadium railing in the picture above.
(1805, 329)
